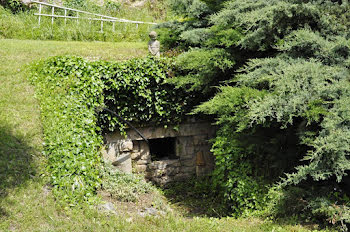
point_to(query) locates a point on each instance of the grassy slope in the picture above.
(25, 203)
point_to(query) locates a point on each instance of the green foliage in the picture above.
(189, 8)
(121, 186)
(72, 90)
(76, 3)
(310, 204)
(71, 142)
(112, 7)
(242, 186)
(24, 25)
(138, 92)
(198, 68)
(192, 193)
(285, 106)
(14, 6)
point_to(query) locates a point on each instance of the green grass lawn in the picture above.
(25, 203)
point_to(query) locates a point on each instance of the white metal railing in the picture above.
(88, 15)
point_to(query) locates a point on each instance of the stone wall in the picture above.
(193, 156)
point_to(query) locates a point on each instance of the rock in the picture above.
(144, 148)
(123, 163)
(189, 170)
(150, 212)
(200, 139)
(188, 162)
(146, 157)
(141, 168)
(141, 162)
(107, 207)
(172, 171)
(135, 155)
(111, 152)
(125, 145)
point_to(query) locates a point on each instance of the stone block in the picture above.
(123, 163)
(162, 180)
(152, 166)
(200, 139)
(159, 172)
(171, 171)
(125, 145)
(112, 150)
(189, 170)
(187, 156)
(182, 176)
(135, 146)
(104, 154)
(188, 162)
(109, 154)
(144, 149)
(141, 162)
(141, 168)
(146, 156)
(176, 163)
(160, 164)
(189, 150)
(135, 155)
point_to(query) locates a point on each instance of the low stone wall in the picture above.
(192, 148)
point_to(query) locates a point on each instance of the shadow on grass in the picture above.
(194, 197)
(16, 163)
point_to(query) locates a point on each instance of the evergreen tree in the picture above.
(283, 104)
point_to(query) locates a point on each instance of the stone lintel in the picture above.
(188, 129)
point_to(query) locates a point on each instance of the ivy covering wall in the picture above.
(72, 94)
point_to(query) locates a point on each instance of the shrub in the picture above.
(71, 93)
(282, 107)
(14, 6)
(67, 99)
(138, 91)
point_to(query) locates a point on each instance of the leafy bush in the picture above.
(309, 204)
(112, 7)
(283, 107)
(198, 68)
(14, 6)
(67, 99)
(71, 92)
(138, 92)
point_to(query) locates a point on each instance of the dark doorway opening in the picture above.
(162, 149)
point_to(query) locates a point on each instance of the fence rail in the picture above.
(88, 15)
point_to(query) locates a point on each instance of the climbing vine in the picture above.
(72, 92)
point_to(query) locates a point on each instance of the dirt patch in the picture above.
(145, 201)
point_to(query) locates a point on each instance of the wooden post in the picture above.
(52, 13)
(137, 26)
(113, 26)
(39, 13)
(77, 17)
(101, 24)
(65, 15)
